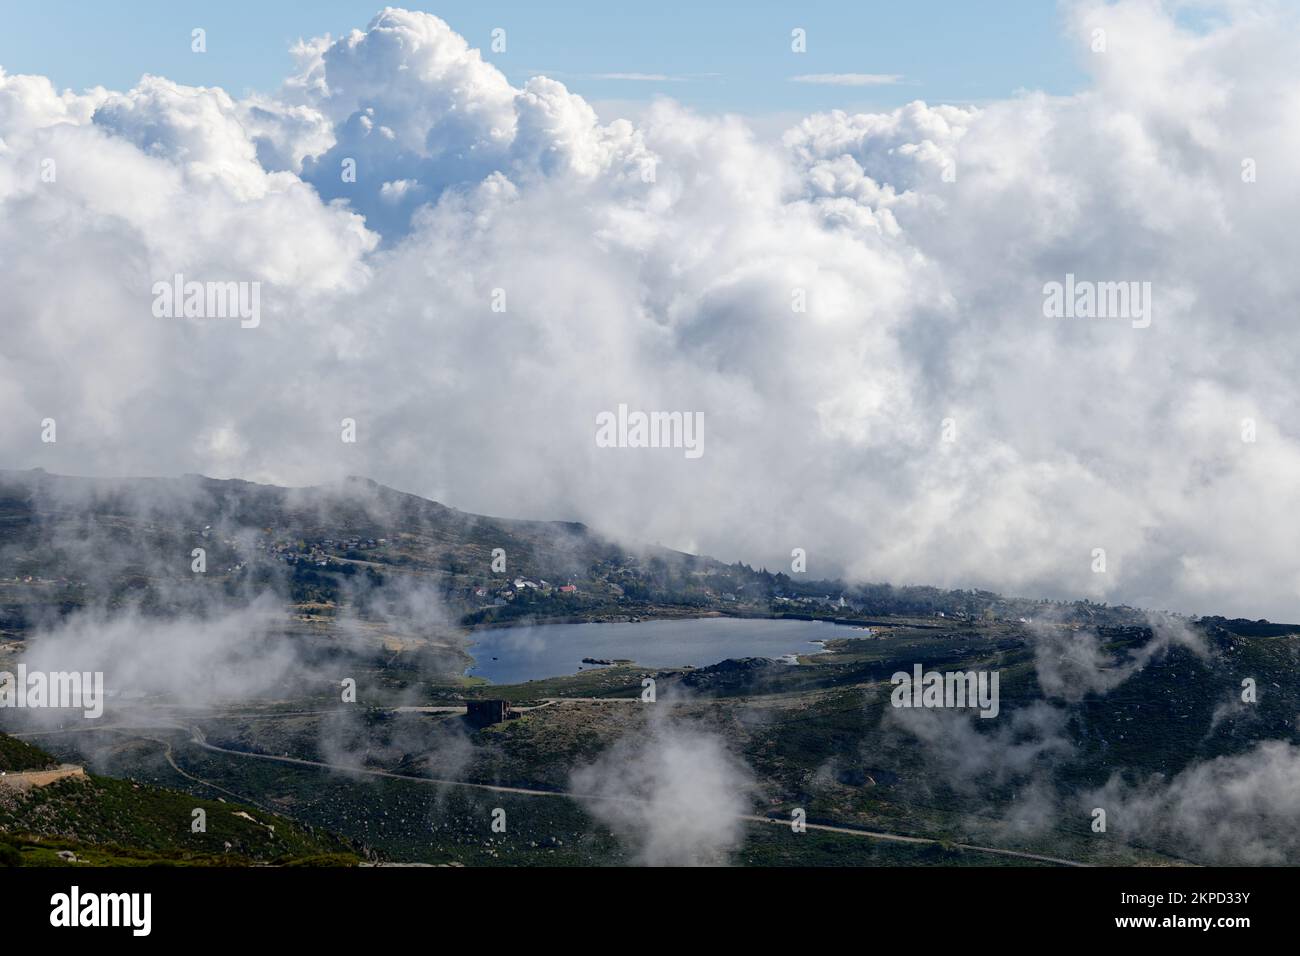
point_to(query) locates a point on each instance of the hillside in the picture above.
(104, 821)
(67, 543)
(1098, 703)
(17, 755)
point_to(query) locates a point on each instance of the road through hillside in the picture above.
(199, 739)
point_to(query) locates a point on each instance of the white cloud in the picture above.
(654, 264)
(639, 77)
(675, 795)
(1236, 810)
(849, 79)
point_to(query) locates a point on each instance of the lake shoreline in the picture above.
(519, 654)
(668, 615)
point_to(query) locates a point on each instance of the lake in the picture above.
(552, 650)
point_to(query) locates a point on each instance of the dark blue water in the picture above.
(551, 650)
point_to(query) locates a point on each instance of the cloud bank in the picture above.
(474, 271)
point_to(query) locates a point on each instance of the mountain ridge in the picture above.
(361, 530)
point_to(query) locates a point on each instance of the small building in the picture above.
(486, 712)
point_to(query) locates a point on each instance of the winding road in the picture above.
(198, 738)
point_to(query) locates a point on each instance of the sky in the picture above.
(707, 55)
(475, 261)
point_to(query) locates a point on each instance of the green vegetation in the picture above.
(107, 821)
(820, 736)
(17, 755)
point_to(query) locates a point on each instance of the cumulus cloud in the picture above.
(657, 264)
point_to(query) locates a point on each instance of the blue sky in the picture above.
(719, 59)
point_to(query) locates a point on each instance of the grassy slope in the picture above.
(106, 821)
(15, 755)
